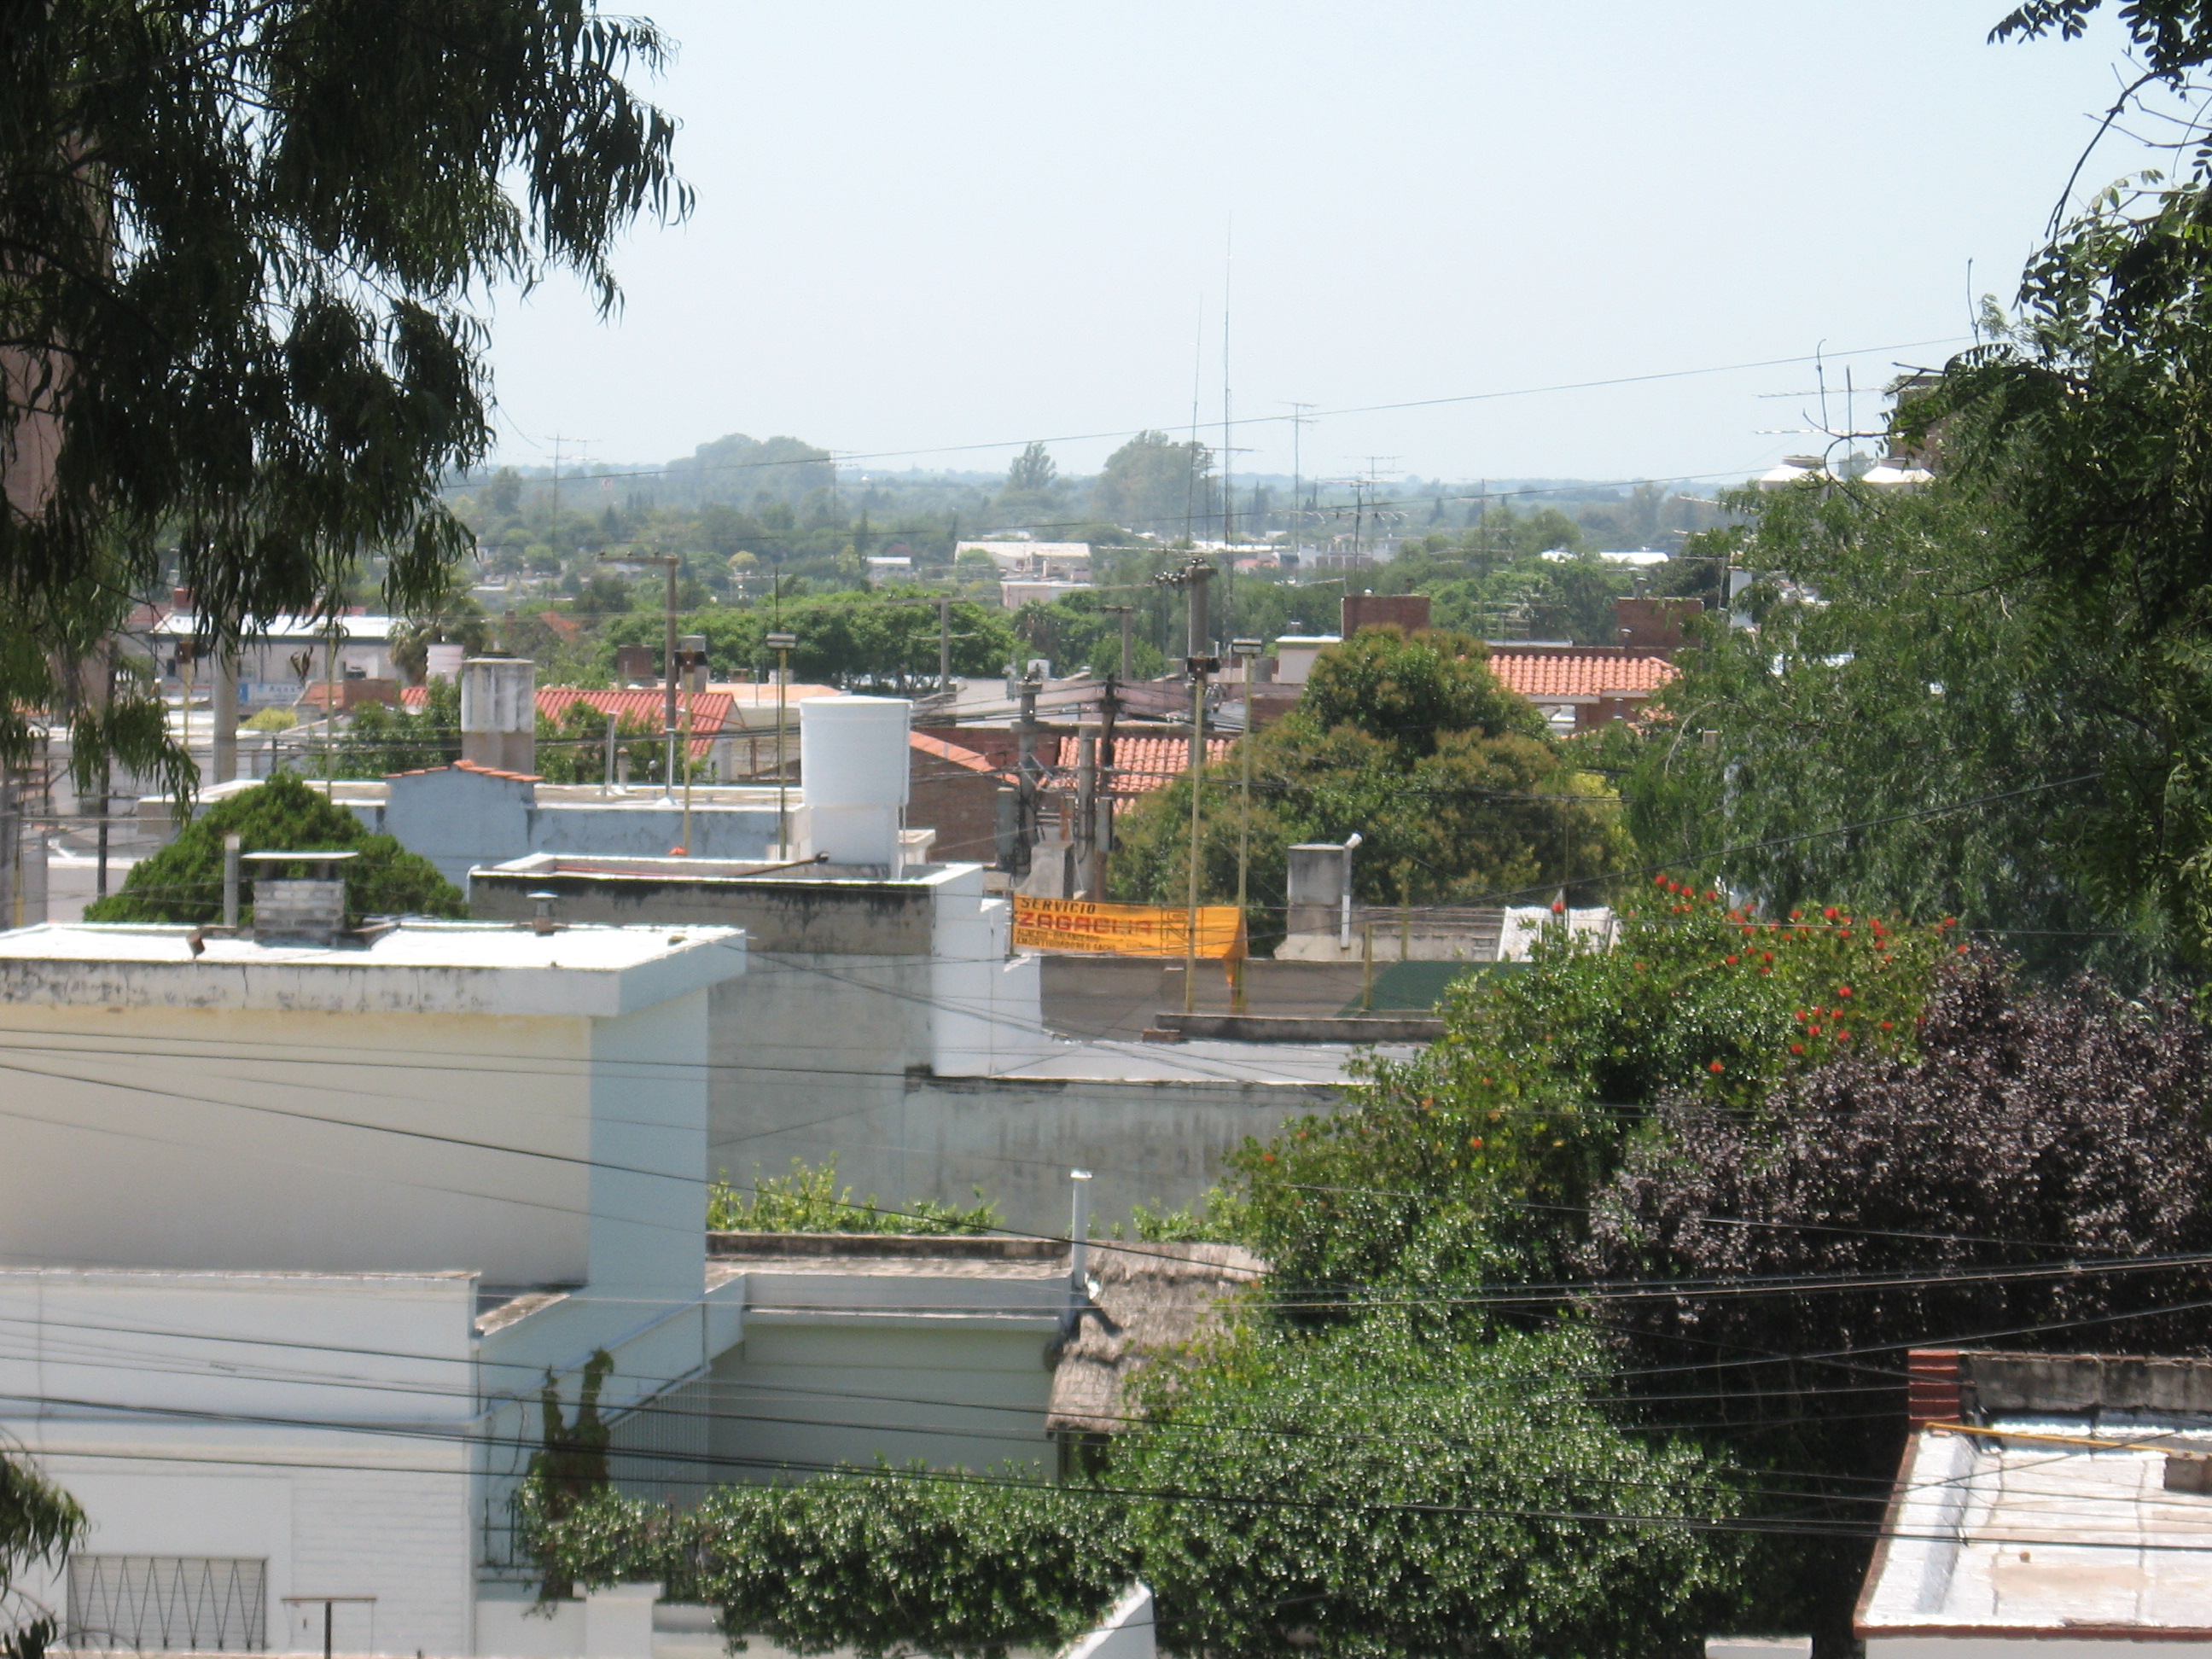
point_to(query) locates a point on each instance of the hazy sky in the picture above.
(926, 234)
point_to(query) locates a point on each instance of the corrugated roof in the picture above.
(1595, 671)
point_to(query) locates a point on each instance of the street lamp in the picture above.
(1246, 649)
(782, 644)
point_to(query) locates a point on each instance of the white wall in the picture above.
(259, 1138)
(811, 1395)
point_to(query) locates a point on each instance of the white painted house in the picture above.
(293, 1232)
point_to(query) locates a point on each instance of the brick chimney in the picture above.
(1931, 1388)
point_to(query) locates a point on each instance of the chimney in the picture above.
(443, 661)
(1931, 1386)
(499, 713)
(1643, 624)
(1409, 612)
(307, 909)
(634, 664)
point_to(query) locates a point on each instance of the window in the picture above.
(200, 1603)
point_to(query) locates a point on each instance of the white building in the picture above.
(293, 1232)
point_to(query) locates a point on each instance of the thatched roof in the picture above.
(1151, 1299)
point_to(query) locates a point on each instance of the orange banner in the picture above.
(1126, 930)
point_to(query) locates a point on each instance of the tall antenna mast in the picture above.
(1299, 421)
(1190, 482)
(1228, 268)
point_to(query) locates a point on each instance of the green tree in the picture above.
(1153, 483)
(1476, 1159)
(183, 882)
(39, 1525)
(1920, 726)
(1376, 1490)
(1457, 791)
(239, 296)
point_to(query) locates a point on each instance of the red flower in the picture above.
(1714, 1068)
(1797, 1047)
(1842, 990)
(1711, 897)
(1885, 1026)
(1843, 1037)
(1796, 915)
(1731, 961)
(1811, 1031)
(1800, 1016)
(1830, 913)
(1846, 933)
(1475, 1142)
(1557, 906)
(1659, 881)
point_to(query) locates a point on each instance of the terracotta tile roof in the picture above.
(710, 710)
(1141, 764)
(966, 758)
(1538, 672)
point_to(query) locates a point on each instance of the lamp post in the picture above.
(781, 645)
(1246, 649)
(672, 563)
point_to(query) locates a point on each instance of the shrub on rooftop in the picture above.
(183, 882)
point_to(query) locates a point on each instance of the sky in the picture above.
(926, 235)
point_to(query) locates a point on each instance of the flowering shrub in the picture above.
(1480, 1153)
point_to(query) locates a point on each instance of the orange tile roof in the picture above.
(1143, 764)
(953, 752)
(710, 710)
(1538, 672)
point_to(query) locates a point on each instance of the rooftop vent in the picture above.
(307, 909)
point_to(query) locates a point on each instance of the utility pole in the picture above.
(1086, 813)
(1299, 421)
(1193, 578)
(1125, 612)
(944, 642)
(672, 563)
(1246, 649)
(781, 645)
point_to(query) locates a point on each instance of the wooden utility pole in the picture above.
(1197, 664)
(1246, 649)
(672, 563)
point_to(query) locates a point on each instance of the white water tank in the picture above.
(853, 770)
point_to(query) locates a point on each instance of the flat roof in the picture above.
(2006, 1533)
(1107, 1060)
(420, 967)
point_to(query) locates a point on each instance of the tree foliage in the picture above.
(183, 882)
(1476, 1157)
(1457, 790)
(2024, 1170)
(237, 295)
(1155, 483)
(884, 1562)
(1917, 727)
(1375, 1491)
(39, 1525)
(1362, 1495)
